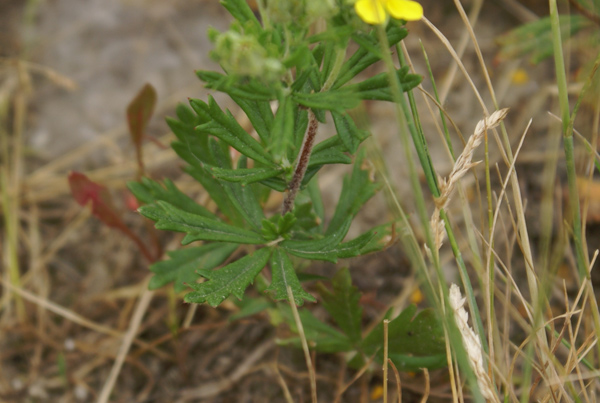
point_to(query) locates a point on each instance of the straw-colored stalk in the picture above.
(472, 343)
(461, 167)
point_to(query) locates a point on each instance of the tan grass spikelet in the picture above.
(461, 167)
(472, 343)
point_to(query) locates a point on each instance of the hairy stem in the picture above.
(302, 163)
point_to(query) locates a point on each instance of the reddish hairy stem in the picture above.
(302, 164)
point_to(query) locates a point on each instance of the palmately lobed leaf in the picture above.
(342, 303)
(414, 339)
(234, 278)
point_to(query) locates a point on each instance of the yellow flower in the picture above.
(376, 11)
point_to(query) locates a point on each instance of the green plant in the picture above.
(307, 75)
(415, 340)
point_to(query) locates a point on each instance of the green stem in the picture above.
(402, 114)
(420, 144)
(567, 131)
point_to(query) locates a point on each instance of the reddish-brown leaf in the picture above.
(86, 192)
(139, 112)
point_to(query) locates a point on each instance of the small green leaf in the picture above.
(337, 100)
(342, 304)
(196, 227)
(372, 241)
(377, 87)
(368, 53)
(278, 226)
(231, 279)
(260, 115)
(318, 249)
(328, 59)
(186, 115)
(148, 191)
(301, 123)
(421, 335)
(192, 146)
(356, 190)
(330, 155)
(350, 135)
(250, 89)
(241, 197)
(245, 175)
(180, 268)
(284, 275)
(282, 132)
(277, 184)
(225, 127)
(305, 217)
(286, 222)
(269, 230)
(315, 196)
(241, 11)
(300, 58)
(217, 193)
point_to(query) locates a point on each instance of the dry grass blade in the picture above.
(286, 391)
(427, 386)
(355, 377)
(386, 322)
(398, 382)
(128, 338)
(309, 364)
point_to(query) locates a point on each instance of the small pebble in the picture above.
(69, 344)
(81, 393)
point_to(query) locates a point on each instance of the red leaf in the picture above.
(139, 112)
(131, 202)
(87, 192)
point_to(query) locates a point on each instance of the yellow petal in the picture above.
(370, 11)
(404, 10)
